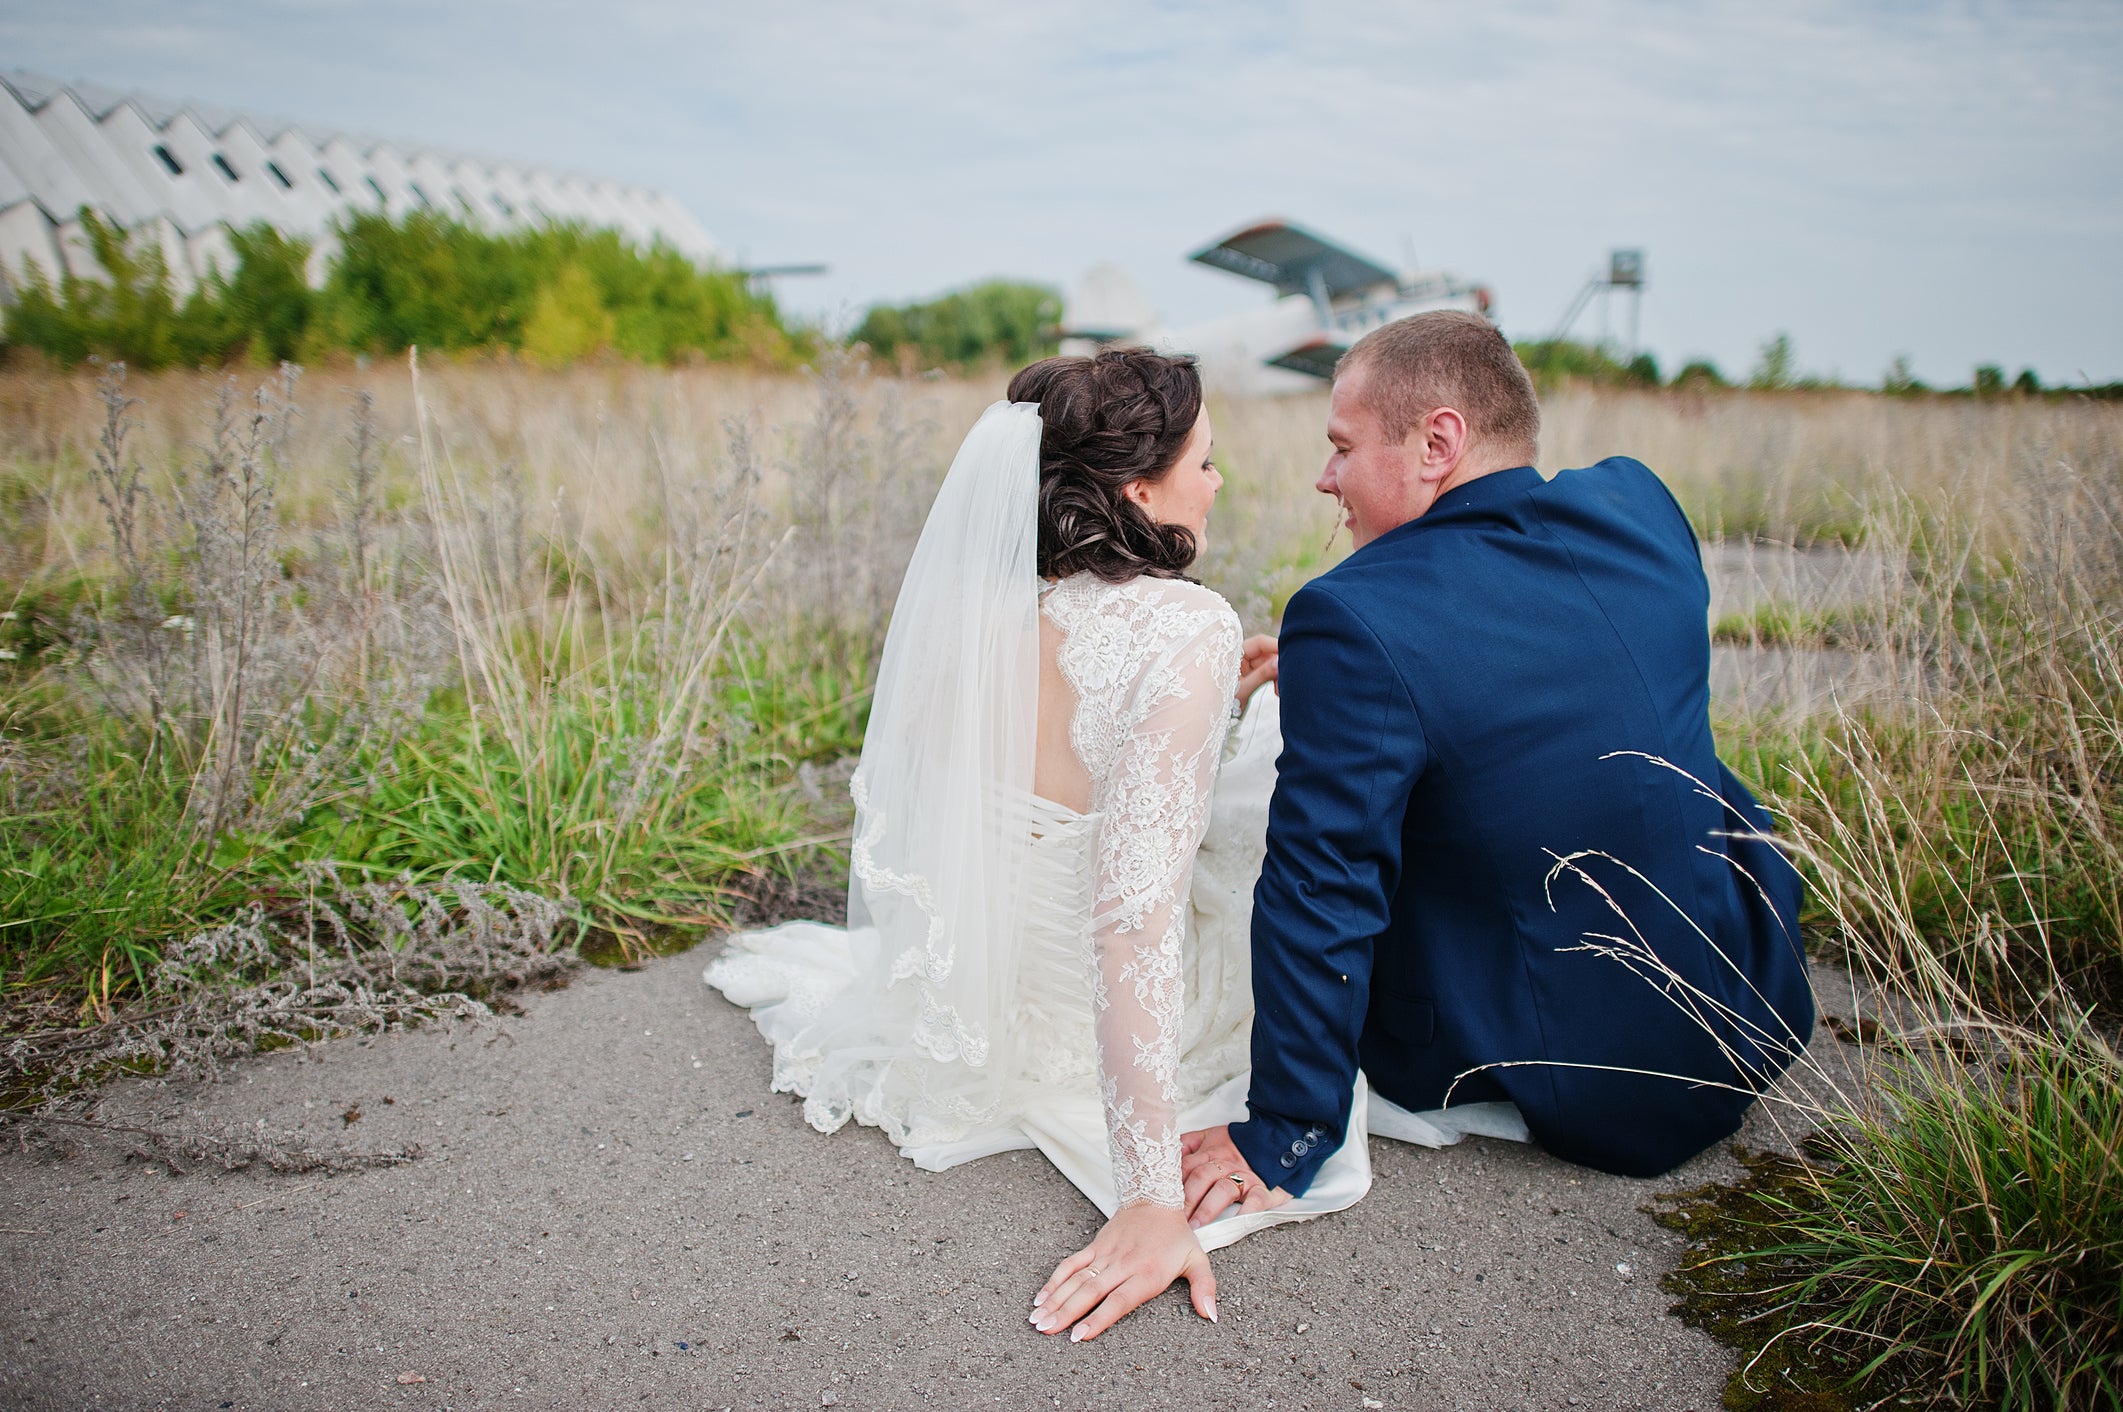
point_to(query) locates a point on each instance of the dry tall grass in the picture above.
(586, 452)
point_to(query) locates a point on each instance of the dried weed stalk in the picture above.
(351, 959)
(261, 682)
(859, 486)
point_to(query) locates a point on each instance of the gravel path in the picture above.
(613, 1211)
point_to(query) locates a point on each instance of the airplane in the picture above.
(1327, 297)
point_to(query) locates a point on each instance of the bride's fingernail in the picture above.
(1045, 1326)
(1212, 1311)
(1076, 1335)
(1039, 1299)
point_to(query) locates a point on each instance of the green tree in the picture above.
(1990, 380)
(441, 284)
(129, 315)
(1900, 380)
(1698, 374)
(568, 320)
(1551, 361)
(1775, 366)
(999, 321)
(2027, 384)
(264, 305)
(555, 292)
(424, 280)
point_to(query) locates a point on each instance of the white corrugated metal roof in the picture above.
(48, 175)
(195, 170)
(31, 88)
(13, 189)
(122, 192)
(26, 238)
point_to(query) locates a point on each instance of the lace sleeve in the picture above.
(1156, 802)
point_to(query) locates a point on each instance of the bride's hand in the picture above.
(1257, 661)
(1135, 1258)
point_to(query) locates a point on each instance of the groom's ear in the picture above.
(1442, 438)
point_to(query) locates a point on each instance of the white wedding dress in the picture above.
(1017, 973)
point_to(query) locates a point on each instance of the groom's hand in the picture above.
(1209, 1161)
(1258, 658)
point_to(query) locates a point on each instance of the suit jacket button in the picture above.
(1289, 1162)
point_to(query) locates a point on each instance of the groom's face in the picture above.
(1375, 480)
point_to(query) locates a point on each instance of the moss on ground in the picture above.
(1726, 1286)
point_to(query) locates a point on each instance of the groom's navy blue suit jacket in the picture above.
(1488, 846)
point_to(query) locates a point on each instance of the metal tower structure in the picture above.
(1624, 272)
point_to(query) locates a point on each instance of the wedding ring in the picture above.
(1240, 1180)
(1091, 1270)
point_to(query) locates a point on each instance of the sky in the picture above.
(1876, 179)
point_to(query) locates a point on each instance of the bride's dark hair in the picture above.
(1121, 415)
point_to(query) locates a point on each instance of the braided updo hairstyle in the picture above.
(1122, 415)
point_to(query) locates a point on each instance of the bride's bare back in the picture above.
(1057, 775)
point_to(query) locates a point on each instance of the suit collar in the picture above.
(1464, 501)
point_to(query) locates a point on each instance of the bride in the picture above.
(1047, 941)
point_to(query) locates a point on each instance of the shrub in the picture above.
(130, 315)
(999, 322)
(1552, 361)
(568, 320)
(1699, 373)
(554, 293)
(264, 307)
(1900, 380)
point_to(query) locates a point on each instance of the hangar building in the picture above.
(189, 173)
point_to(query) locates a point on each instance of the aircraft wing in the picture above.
(1286, 256)
(1315, 356)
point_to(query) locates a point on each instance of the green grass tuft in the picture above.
(1962, 1238)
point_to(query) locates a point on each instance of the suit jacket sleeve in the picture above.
(1353, 749)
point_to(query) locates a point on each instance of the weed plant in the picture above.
(98, 867)
(1952, 1233)
(590, 760)
(1981, 800)
(338, 958)
(436, 684)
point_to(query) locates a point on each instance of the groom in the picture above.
(1504, 861)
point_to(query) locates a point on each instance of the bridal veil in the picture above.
(944, 821)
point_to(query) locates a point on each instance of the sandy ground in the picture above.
(613, 1211)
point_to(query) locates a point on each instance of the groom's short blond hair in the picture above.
(1448, 358)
